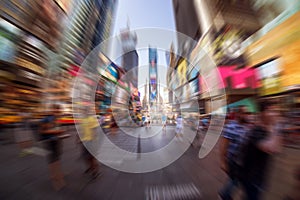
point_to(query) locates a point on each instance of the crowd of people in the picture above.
(247, 146)
(48, 133)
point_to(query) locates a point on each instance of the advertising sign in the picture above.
(269, 75)
(194, 86)
(153, 74)
(8, 38)
(153, 92)
(238, 78)
(152, 70)
(7, 49)
(74, 70)
(181, 70)
(112, 70)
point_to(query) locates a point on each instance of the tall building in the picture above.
(130, 58)
(145, 102)
(187, 22)
(222, 27)
(104, 24)
(225, 25)
(170, 73)
(89, 24)
(153, 90)
(25, 41)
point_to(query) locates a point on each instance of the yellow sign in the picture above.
(181, 70)
(271, 86)
(284, 42)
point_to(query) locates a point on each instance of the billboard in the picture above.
(192, 73)
(233, 78)
(181, 70)
(8, 38)
(194, 86)
(153, 74)
(188, 90)
(269, 75)
(238, 78)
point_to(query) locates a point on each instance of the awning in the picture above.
(250, 103)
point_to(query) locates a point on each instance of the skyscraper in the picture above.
(89, 24)
(152, 75)
(130, 58)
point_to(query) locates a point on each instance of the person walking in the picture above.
(143, 120)
(50, 131)
(263, 141)
(179, 126)
(164, 122)
(89, 125)
(233, 137)
(148, 121)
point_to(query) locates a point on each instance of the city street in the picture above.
(150, 100)
(27, 177)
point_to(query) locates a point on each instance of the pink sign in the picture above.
(240, 78)
(235, 79)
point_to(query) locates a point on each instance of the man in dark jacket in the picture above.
(264, 140)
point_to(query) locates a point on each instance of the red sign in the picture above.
(74, 71)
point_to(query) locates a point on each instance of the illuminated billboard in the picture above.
(238, 78)
(153, 74)
(269, 75)
(233, 78)
(181, 70)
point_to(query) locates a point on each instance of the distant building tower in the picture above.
(171, 59)
(145, 99)
(130, 58)
(152, 75)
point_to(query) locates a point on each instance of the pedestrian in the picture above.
(205, 122)
(263, 141)
(101, 119)
(201, 127)
(113, 125)
(148, 121)
(89, 125)
(233, 137)
(179, 126)
(143, 120)
(50, 130)
(105, 125)
(164, 122)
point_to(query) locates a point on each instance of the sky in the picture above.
(146, 14)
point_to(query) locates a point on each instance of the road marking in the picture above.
(173, 192)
